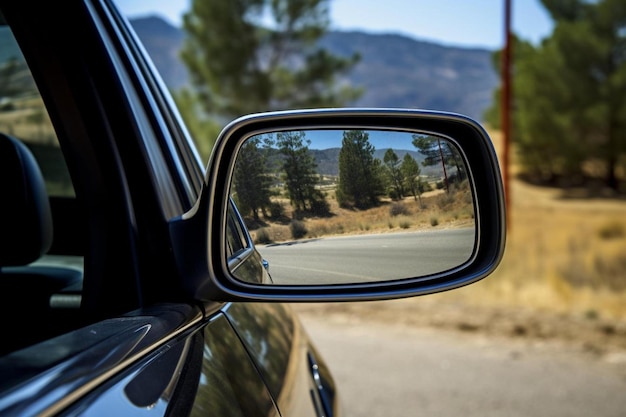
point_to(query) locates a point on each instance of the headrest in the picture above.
(25, 219)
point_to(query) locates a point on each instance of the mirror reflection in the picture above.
(347, 206)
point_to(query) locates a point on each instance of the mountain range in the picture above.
(394, 70)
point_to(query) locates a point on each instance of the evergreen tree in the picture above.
(392, 166)
(440, 152)
(411, 171)
(570, 92)
(300, 174)
(251, 179)
(205, 130)
(247, 56)
(360, 174)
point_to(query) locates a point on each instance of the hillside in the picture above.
(395, 70)
(398, 71)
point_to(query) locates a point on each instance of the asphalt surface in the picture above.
(373, 257)
(390, 370)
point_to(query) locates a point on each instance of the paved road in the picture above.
(368, 257)
(382, 370)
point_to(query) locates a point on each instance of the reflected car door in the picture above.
(243, 258)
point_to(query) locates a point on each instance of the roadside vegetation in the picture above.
(283, 196)
(566, 248)
(437, 210)
(567, 231)
(565, 252)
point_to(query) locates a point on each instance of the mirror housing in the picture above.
(199, 236)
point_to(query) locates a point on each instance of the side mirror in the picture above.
(344, 204)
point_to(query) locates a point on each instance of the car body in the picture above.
(121, 292)
(243, 258)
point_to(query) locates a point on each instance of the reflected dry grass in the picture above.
(437, 209)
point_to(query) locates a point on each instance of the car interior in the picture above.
(36, 275)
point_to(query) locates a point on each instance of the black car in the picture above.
(129, 283)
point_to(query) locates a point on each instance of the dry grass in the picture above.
(28, 120)
(437, 209)
(566, 256)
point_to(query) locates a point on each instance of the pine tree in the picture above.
(240, 64)
(411, 171)
(441, 152)
(252, 179)
(300, 175)
(570, 93)
(392, 166)
(360, 174)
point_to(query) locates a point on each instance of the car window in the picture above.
(42, 228)
(24, 116)
(176, 150)
(236, 236)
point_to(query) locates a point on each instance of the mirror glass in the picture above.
(349, 206)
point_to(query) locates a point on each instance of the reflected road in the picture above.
(364, 258)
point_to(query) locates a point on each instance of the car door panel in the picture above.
(285, 357)
(230, 384)
(121, 367)
(52, 375)
(207, 372)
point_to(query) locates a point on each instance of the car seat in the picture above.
(26, 234)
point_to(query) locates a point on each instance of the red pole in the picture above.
(506, 107)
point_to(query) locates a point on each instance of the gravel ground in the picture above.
(596, 336)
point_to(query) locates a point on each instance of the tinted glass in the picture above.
(24, 116)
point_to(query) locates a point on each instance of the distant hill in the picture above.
(327, 160)
(395, 70)
(163, 42)
(398, 71)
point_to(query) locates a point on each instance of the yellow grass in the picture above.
(437, 210)
(562, 255)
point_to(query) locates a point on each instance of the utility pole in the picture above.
(443, 164)
(506, 107)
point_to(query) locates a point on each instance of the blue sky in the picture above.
(468, 23)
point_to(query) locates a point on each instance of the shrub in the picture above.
(612, 230)
(434, 221)
(445, 201)
(398, 209)
(262, 237)
(298, 229)
(320, 207)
